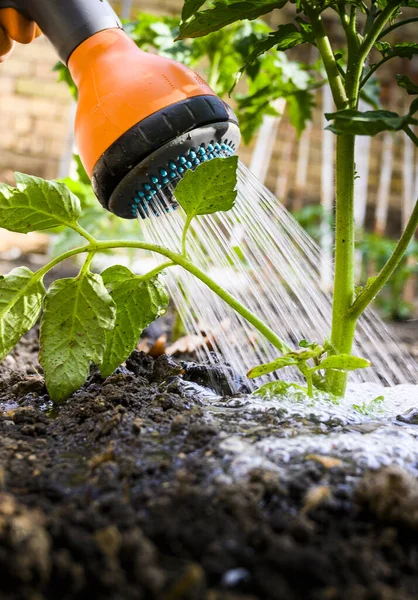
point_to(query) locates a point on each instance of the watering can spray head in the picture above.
(142, 120)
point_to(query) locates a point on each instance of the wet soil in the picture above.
(138, 488)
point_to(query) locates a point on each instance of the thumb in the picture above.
(6, 45)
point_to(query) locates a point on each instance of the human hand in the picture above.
(14, 27)
(6, 45)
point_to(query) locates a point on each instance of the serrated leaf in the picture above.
(78, 312)
(405, 50)
(275, 365)
(138, 303)
(287, 36)
(370, 122)
(407, 84)
(20, 304)
(343, 362)
(307, 30)
(225, 12)
(210, 188)
(36, 204)
(384, 48)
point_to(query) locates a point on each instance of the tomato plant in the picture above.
(98, 318)
(349, 70)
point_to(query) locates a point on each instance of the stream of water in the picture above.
(259, 253)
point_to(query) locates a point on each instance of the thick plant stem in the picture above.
(343, 323)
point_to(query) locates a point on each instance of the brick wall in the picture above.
(34, 112)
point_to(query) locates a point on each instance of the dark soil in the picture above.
(125, 492)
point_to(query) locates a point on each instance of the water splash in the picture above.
(385, 434)
(258, 252)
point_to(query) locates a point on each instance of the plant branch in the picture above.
(85, 234)
(371, 291)
(374, 68)
(355, 69)
(349, 24)
(411, 135)
(184, 236)
(53, 263)
(327, 55)
(86, 264)
(395, 26)
(182, 261)
(157, 270)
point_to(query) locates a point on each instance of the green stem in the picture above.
(53, 263)
(349, 24)
(85, 234)
(357, 60)
(328, 58)
(182, 261)
(86, 265)
(184, 236)
(157, 270)
(395, 26)
(223, 294)
(411, 135)
(373, 69)
(343, 324)
(371, 291)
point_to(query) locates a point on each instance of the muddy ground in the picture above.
(138, 488)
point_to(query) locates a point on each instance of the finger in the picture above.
(17, 26)
(6, 45)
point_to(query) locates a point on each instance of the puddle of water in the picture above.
(369, 436)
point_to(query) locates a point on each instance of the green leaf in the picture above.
(190, 8)
(413, 109)
(36, 204)
(279, 363)
(407, 84)
(384, 48)
(78, 312)
(306, 29)
(65, 76)
(370, 122)
(287, 36)
(300, 106)
(225, 12)
(370, 92)
(210, 188)
(20, 304)
(403, 50)
(343, 362)
(280, 388)
(138, 303)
